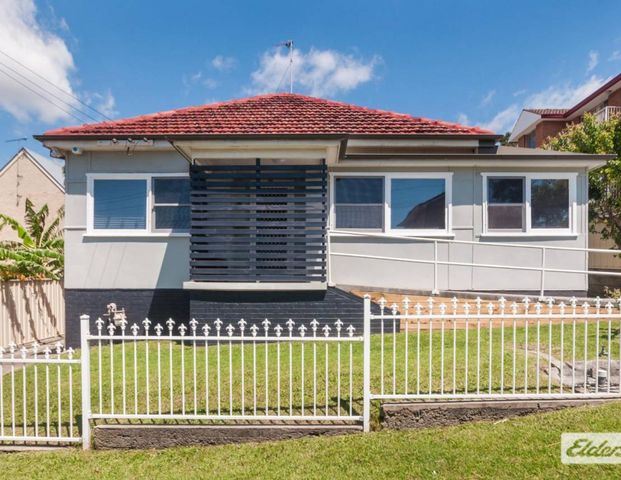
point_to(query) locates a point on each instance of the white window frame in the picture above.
(155, 204)
(149, 230)
(388, 178)
(528, 229)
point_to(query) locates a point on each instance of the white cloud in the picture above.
(614, 56)
(487, 98)
(104, 103)
(565, 95)
(23, 38)
(317, 72)
(593, 60)
(520, 92)
(198, 78)
(503, 120)
(33, 42)
(463, 119)
(556, 96)
(223, 63)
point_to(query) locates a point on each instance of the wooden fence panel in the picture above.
(31, 311)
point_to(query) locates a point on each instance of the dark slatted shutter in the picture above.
(259, 223)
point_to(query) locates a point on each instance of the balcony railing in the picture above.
(607, 113)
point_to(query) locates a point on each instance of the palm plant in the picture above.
(39, 252)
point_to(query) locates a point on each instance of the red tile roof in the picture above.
(273, 114)
(548, 112)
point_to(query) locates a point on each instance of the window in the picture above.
(549, 203)
(505, 203)
(120, 204)
(359, 202)
(529, 203)
(417, 203)
(402, 202)
(171, 204)
(531, 140)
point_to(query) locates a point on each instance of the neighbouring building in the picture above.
(29, 175)
(274, 205)
(535, 125)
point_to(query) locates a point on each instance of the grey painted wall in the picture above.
(163, 262)
(113, 262)
(467, 225)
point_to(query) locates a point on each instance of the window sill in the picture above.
(135, 235)
(362, 233)
(528, 235)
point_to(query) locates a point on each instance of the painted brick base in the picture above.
(182, 305)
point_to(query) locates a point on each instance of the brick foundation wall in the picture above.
(182, 305)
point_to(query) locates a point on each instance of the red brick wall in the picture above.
(614, 99)
(547, 128)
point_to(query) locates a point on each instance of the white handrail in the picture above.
(469, 242)
(436, 261)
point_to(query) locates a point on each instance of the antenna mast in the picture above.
(289, 45)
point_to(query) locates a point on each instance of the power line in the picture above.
(81, 120)
(48, 92)
(54, 85)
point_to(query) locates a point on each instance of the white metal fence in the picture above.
(221, 372)
(311, 372)
(486, 350)
(38, 397)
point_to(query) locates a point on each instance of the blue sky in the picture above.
(478, 62)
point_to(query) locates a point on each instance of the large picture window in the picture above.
(402, 203)
(120, 205)
(529, 203)
(127, 204)
(418, 203)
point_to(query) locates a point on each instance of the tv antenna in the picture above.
(289, 45)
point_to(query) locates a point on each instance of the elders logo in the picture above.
(582, 448)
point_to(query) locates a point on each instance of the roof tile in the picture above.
(277, 114)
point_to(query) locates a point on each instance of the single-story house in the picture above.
(260, 207)
(29, 175)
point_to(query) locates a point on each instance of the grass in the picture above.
(296, 390)
(527, 447)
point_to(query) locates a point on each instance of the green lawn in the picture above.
(527, 447)
(298, 390)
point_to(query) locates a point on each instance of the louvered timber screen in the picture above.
(258, 223)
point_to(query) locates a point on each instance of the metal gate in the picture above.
(39, 395)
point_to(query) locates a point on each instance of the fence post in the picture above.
(85, 368)
(543, 273)
(436, 290)
(366, 365)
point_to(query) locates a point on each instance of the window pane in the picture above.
(172, 218)
(359, 216)
(359, 190)
(171, 190)
(550, 203)
(120, 204)
(418, 203)
(505, 190)
(505, 217)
